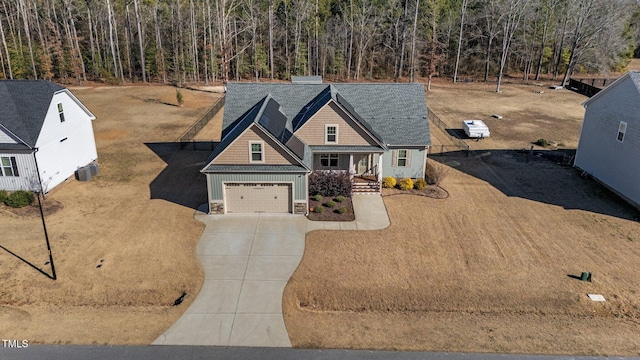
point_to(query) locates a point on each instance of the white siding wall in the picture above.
(58, 160)
(26, 171)
(6, 138)
(599, 152)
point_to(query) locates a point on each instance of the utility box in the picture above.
(94, 169)
(83, 174)
(475, 128)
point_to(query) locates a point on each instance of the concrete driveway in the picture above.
(247, 260)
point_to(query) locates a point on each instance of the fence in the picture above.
(458, 144)
(589, 87)
(187, 136)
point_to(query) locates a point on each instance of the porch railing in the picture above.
(372, 171)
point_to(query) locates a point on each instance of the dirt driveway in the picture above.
(123, 244)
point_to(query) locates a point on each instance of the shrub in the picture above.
(420, 184)
(330, 204)
(435, 173)
(342, 210)
(339, 198)
(389, 182)
(329, 183)
(318, 197)
(542, 142)
(406, 184)
(19, 199)
(3, 195)
(318, 209)
(179, 97)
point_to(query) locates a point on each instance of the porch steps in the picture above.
(365, 187)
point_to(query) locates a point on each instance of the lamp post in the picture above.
(46, 235)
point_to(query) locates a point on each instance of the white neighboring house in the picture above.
(609, 148)
(45, 135)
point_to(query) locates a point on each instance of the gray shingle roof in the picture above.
(395, 112)
(23, 106)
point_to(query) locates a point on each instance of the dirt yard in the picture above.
(123, 244)
(491, 268)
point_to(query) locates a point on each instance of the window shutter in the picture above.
(409, 152)
(394, 158)
(14, 165)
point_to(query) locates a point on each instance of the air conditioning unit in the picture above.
(83, 174)
(93, 167)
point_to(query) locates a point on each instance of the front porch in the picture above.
(363, 164)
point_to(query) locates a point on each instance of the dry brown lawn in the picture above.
(492, 267)
(134, 219)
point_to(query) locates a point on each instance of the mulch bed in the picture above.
(49, 207)
(332, 214)
(432, 191)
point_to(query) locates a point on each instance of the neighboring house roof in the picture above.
(266, 116)
(394, 113)
(635, 78)
(23, 107)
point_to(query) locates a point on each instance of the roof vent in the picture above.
(306, 79)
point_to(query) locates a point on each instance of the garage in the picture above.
(258, 197)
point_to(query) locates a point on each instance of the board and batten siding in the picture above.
(237, 153)
(414, 170)
(27, 173)
(349, 133)
(63, 147)
(216, 181)
(600, 153)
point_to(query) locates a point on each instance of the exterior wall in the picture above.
(216, 189)
(27, 173)
(343, 162)
(57, 159)
(415, 170)
(6, 138)
(600, 153)
(349, 133)
(238, 152)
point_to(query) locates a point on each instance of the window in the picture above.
(256, 152)
(621, 130)
(329, 160)
(61, 112)
(401, 158)
(331, 134)
(8, 166)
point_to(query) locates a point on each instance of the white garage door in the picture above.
(260, 197)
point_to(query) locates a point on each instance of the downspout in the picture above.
(35, 150)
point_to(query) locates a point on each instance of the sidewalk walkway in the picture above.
(247, 260)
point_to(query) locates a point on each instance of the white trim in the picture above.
(326, 134)
(292, 194)
(74, 98)
(407, 155)
(254, 142)
(208, 177)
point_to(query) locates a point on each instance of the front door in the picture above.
(363, 164)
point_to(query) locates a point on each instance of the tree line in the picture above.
(120, 41)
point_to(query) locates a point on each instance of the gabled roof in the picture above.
(24, 105)
(633, 75)
(266, 117)
(395, 113)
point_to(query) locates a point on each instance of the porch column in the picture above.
(352, 168)
(380, 168)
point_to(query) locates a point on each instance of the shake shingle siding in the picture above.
(600, 153)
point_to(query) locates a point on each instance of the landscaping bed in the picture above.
(331, 213)
(432, 191)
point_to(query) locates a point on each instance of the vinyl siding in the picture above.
(6, 138)
(349, 133)
(26, 170)
(58, 160)
(600, 153)
(216, 180)
(414, 170)
(238, 152)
